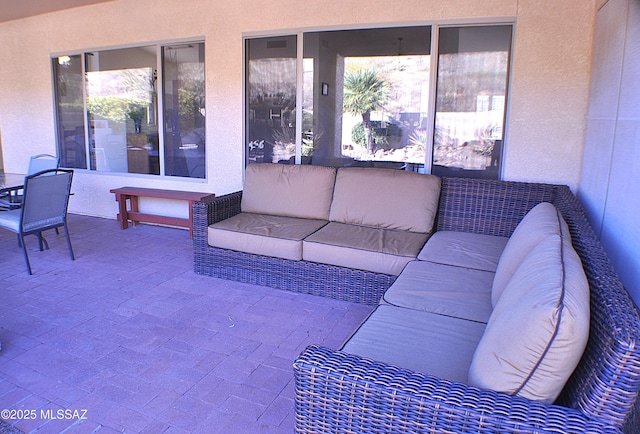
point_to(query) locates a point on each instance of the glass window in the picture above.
(121, 109)
(67, 72)
(470, 100)
(271, 94)
(366, 96)
(366, 99)
(107, 110)
(184, 110)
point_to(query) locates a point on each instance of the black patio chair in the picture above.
(44, 207)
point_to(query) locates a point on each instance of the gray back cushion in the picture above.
(302, 191)
(539, 327)
(538, 224)
(385, 198)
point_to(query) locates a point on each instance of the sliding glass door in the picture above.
(378, 97)
(365, 96)
(271, 95)
(470, 101)
(184, 110)
(69, 93)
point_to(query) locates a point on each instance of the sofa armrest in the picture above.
(212, 210)
(340, 392)
(217, 208)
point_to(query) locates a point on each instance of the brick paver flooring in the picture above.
(128, 338)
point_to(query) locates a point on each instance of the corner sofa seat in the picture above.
(464, 249)
(453, 276)
(536, 327)
(443, 289)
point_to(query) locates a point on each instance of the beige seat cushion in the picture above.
(424, 342)
(362, 247)
(289, 190)
(443, 289)
(464, 249)
(539, 328)
(385, 198)
(262, 234)
(536, 225)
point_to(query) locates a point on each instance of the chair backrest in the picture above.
(40, 162)
(46, 197)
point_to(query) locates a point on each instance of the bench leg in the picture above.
(134, 208)
(123, 214)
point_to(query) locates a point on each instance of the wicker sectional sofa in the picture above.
(339, 390)
(506, 314)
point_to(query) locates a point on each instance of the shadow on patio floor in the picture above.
(128, 338)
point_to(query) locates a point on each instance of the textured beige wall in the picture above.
(548, 100)
(550, 90)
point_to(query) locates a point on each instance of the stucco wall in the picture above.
(548, 99)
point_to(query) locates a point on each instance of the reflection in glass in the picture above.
(470, 100)
(271, 93)
(366, 99)
(67, 72)
(375, 111)
(184, 110)
(121, 108)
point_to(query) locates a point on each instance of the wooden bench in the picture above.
(132, 213)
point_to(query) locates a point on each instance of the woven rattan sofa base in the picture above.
(340, 392)
(299, 276)
(340, 283)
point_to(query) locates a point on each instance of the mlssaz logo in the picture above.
(67, 414)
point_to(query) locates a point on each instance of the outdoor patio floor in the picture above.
(127, 338)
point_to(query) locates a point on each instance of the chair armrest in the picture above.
(338, 392)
